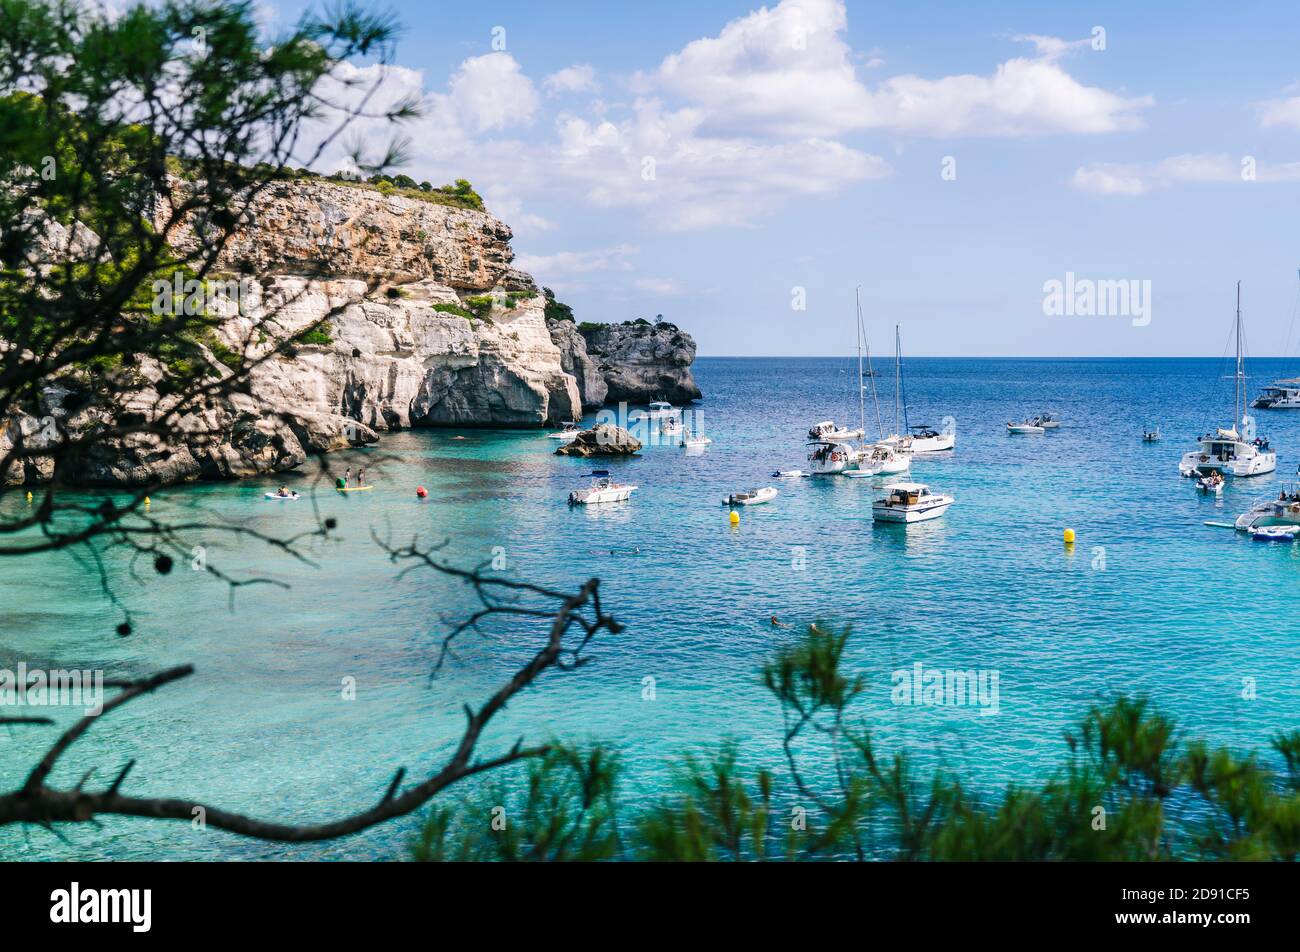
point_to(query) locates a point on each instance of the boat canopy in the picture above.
(599, 472)
(908, 487)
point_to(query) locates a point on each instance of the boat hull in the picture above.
(591, 497)
(909, 514)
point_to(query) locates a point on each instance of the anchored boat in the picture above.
(1227, 450)
(601, 489)
(910, 502)
(750, 497)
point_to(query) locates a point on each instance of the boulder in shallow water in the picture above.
(604, 439)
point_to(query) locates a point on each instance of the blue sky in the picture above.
(802, 145)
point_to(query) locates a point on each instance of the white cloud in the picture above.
(784, 70)
(661, 286)
(788, 71)
(1109, 178)
(1022, 97)
(659, 161)
(566, 264)
(1279, 112)
(492, 92)
(579, 78)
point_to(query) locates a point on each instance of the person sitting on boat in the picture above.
(284, 492)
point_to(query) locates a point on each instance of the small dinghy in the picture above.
(1046, 421)
(750, 497)
(1211, 483)
(1151, 436)
(1274, 533)
(281, 498)
(789, 474)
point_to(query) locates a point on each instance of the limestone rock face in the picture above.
(643, 362)
(326, 229)
(425, 322)
(604, 439)
(578, 363)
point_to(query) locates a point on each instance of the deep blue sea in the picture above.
(1149, 600)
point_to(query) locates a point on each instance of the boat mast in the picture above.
(898, 382)
(1240, 414)
(862, 406)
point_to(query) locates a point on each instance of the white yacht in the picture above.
(907, 438)
(569, 431)
(827, 431)
(1282, 394)
(883, 460)
(1279, 395)
(750, 497)
(829, 457)
(1227, 450)
(1028, 427)
(910, 502)
(660, 409)
(1282, 511)
(601, 489)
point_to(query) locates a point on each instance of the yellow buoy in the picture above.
(146, 500)
(734, 518)
(1069, 537)
(29, 495)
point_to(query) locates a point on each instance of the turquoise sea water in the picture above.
(1178, 610)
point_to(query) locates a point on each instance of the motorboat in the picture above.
(1028, 427)
(827, 431)
(750, 497)
(291, 496)
(790, 474)
(829, 457)
(692, 441)
(601, 489)
(569, 431)
(1227, 450)
(1281, 511)
(1279, 395)
(1151, 436)
(910, 502)
(1047, 421)
(659, 410)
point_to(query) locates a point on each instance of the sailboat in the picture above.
(920, 438)
(1227, 450)
(879, 459)
(832, 448)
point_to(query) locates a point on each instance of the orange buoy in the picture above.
(421, 491)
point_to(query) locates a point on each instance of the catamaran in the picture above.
(1227, 450)
(1281, 394)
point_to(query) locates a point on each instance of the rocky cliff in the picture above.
(428, 324)
(640, 361)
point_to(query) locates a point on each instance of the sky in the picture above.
(742, 169)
